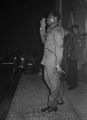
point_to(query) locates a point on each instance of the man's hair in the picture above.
(55, 14)
(74, 26)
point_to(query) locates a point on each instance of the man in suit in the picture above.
(52, 58)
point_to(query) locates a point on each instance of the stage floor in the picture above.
(31, 96)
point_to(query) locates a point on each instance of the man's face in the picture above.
(75, 30)
(51, 20)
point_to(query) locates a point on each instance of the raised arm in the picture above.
(43, 30)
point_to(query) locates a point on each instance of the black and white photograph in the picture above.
(43, 60)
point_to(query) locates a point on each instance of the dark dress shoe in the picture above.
(76, 85)
(71, 88)
(49, 109)
(60, 102)
(67, 83)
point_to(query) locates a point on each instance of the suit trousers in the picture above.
(52, 79)
(72, 73)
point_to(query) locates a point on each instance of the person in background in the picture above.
(52, 39)
(66, 54)
(74, 56)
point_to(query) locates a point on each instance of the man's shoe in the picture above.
(76, 85)
(45, 109)
(49, 109)
(71, 88)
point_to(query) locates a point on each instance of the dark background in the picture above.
(20, 24)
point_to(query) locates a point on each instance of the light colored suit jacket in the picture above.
(53, 47)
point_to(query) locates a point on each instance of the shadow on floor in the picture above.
(8, 86)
